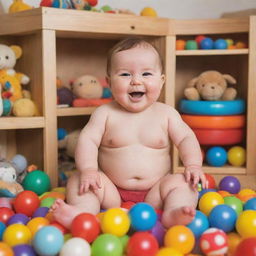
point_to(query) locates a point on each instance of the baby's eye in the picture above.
(124, 74)
(147, 74)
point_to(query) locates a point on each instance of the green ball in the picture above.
(37, 181)
(107, 245)
(191, 45)
(47, 202)
(234, 203)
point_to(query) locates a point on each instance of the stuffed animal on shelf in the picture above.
(18, 5)
(70, 4)
(83, 4)
(8, 185)
(211, 85)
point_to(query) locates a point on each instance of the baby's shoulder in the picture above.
(164, 108)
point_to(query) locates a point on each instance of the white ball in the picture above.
(20, 162)
(76, 247)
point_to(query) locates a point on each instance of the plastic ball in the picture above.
(199, 224)
(214, 242)
(40, 212)
(148, 11)
(204, 191)
(180, 44)
(167, 251)
(210, 180)
(18, 218)
(246, 247)
(20, 162)
(233, 241)
(199, 39)
(57, 225)
(158, 231)
(246, 194)
(223, 217)
(48, 241)
(181, 238)
(86, 226)
(92, 2)
(234, 203)
(24, 250)
(47, 202)
(37, 223)
(143, 217)
(37, 181)
(230, 184)
(224, 193)
(246, 223)
(220, 44)
(142, 244)
(76, 247)
(124, 240)
(206, 43)
(236, 156)
(26, 202)
(107, 245)
(216, 156)
(250, 204)
(116, 222)
(5, 249)
(208, 201)
(2, 229)
(127, 205)
(5, 214)
(191, 45)
(240, 45)
(65, 96)
(229, 41)
(17, 234)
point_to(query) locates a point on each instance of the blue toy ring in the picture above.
(212, 108)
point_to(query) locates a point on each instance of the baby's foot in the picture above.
(63, 213)
(178, 216)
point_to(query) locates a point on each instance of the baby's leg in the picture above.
(89, 202)
(180, 200)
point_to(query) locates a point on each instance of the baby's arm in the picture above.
(189, 149)
(86, 154)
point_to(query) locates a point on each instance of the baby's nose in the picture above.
(135, 80)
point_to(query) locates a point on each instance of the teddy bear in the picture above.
(211, 85)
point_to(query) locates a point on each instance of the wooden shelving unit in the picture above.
(70, 43)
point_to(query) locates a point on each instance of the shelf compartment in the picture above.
(211, 52)
(8, 123)
(75, 111)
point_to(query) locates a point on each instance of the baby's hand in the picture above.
(89, 180)
(194, 174)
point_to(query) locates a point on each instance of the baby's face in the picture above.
(136, 78)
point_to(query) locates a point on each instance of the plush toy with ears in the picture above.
(211, 85)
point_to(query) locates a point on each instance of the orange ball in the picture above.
(224, 193)
(180, 44)
(233, 241)
(5, 250)
(240, 45)
(36, 223)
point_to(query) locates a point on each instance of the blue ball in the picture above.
(143, 217)
(206, 44)
(223, 217)
(62, 133)
(220, 44)
(216, 156)
(2, 229)
(250, 204)
(48, 241)
(199, 224)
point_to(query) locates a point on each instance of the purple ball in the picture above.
(18, 218)
(65, 96)
(23, 250)
(230, 184)
(158, 231)
(40, 212)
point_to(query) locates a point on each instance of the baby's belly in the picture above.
(136, 166)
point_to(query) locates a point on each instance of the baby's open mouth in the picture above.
(136, 94)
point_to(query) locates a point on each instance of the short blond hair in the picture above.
(129, 43)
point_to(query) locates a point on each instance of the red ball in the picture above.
(211, 180)
(26, 202)
(127, 205)
(93, 2)
(199, 38)
(60, 227)
(5, 214)
(86, 226)
(246, 247)
(142, 244)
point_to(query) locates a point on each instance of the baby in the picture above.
(123, 153)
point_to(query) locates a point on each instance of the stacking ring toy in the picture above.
(214, 122)
(219, 137)
(212, 108)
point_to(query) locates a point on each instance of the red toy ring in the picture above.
(219, 136)
(214, 122)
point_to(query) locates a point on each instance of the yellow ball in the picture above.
(233, 241)
(208, 201)
(36, 223)
(246, 223)
(17, 234)
(246, 192)
(180, 238)
(115, 221)
(167, 251)
(236, 156)
(148, 11)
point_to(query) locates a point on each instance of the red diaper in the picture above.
(135, 196)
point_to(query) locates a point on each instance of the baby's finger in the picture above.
(98, 182)
(204, 181)
(195, 180)
(187, 176)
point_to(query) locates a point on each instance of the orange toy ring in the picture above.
(214, 122)
(219, 137)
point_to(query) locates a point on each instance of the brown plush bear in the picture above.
(211, 85)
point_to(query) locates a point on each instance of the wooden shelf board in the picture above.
(227, 169)
(211, 52)
(8, 123)
(75, 111)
